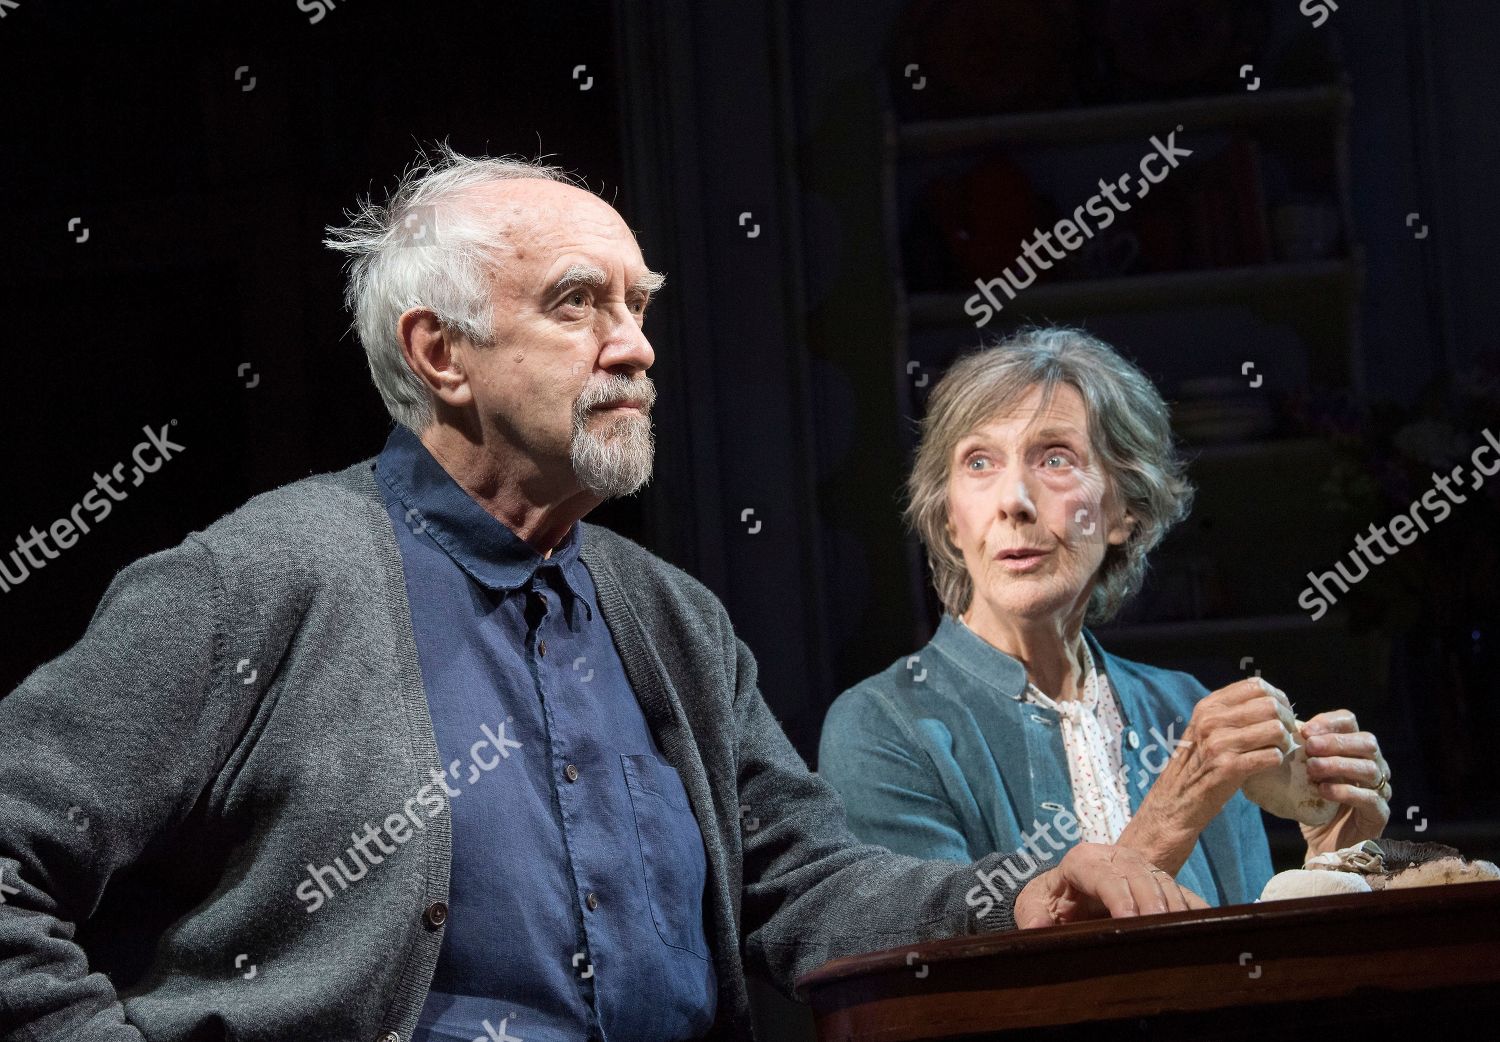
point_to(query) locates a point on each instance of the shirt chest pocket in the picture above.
(672, 857)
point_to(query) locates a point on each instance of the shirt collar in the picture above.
(484, 547)
(989, 665)
(976, 656)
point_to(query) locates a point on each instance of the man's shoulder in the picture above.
(309, 525)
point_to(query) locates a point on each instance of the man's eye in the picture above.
(578, 298)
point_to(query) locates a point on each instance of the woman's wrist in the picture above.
(1164, 843)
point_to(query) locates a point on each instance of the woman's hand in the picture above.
(1349, 769)
(1234, 732)
(1096, 880)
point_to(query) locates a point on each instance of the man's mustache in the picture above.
(605, 389)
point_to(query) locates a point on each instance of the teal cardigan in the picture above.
(940, 757)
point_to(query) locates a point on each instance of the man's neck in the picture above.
(540, 508)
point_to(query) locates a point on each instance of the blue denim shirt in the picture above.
(939, 757)
(576, 902)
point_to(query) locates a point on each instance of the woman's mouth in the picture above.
(1021, 559)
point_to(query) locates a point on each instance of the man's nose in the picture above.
(626, 347)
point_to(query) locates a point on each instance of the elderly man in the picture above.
(408, 751)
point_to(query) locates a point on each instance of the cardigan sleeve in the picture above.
(892, 794)
(101, 750)
(812, 891)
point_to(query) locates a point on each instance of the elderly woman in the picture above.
(1045, 475)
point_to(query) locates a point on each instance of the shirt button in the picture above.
(542, 648)
(388, 1036)
(570, 772)
(1134, 739)
(436, 914)
(592, 900)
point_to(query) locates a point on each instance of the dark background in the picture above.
(889, 153)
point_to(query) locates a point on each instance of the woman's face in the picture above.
(1030, 510)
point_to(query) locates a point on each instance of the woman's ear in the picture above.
(1121, 530)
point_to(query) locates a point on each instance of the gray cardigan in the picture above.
(244, 702)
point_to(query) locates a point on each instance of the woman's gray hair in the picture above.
(1129, 431)
(431, 247)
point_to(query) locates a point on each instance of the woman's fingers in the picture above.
(1287, 716)
(1249, 689)
(1179, 897)
(1361, 745)
(1254, 711)
(1159, 892)
(1335, 720)
(1350, 795)
(1118, 896)
(1369, 806)
(1096, 879)
(1345, 769)
(1150, 895)
(1176, 901)
(1034, 904)
(1348, 758)
(1268, 734)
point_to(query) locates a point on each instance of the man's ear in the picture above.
(431, 352)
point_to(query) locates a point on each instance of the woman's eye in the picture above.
(1059, 459)
(977, 462)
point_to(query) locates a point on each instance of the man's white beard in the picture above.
(612, 455)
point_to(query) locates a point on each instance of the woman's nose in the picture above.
(1016, 503)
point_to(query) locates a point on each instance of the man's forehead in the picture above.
(561, 234)
(541, 207)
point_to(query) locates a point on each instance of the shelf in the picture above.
(1144, 292)
(1061, 126)
(1193, 629)
(1253, 451)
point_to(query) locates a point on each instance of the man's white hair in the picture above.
(432, 246)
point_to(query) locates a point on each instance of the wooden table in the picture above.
(1350, 968)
